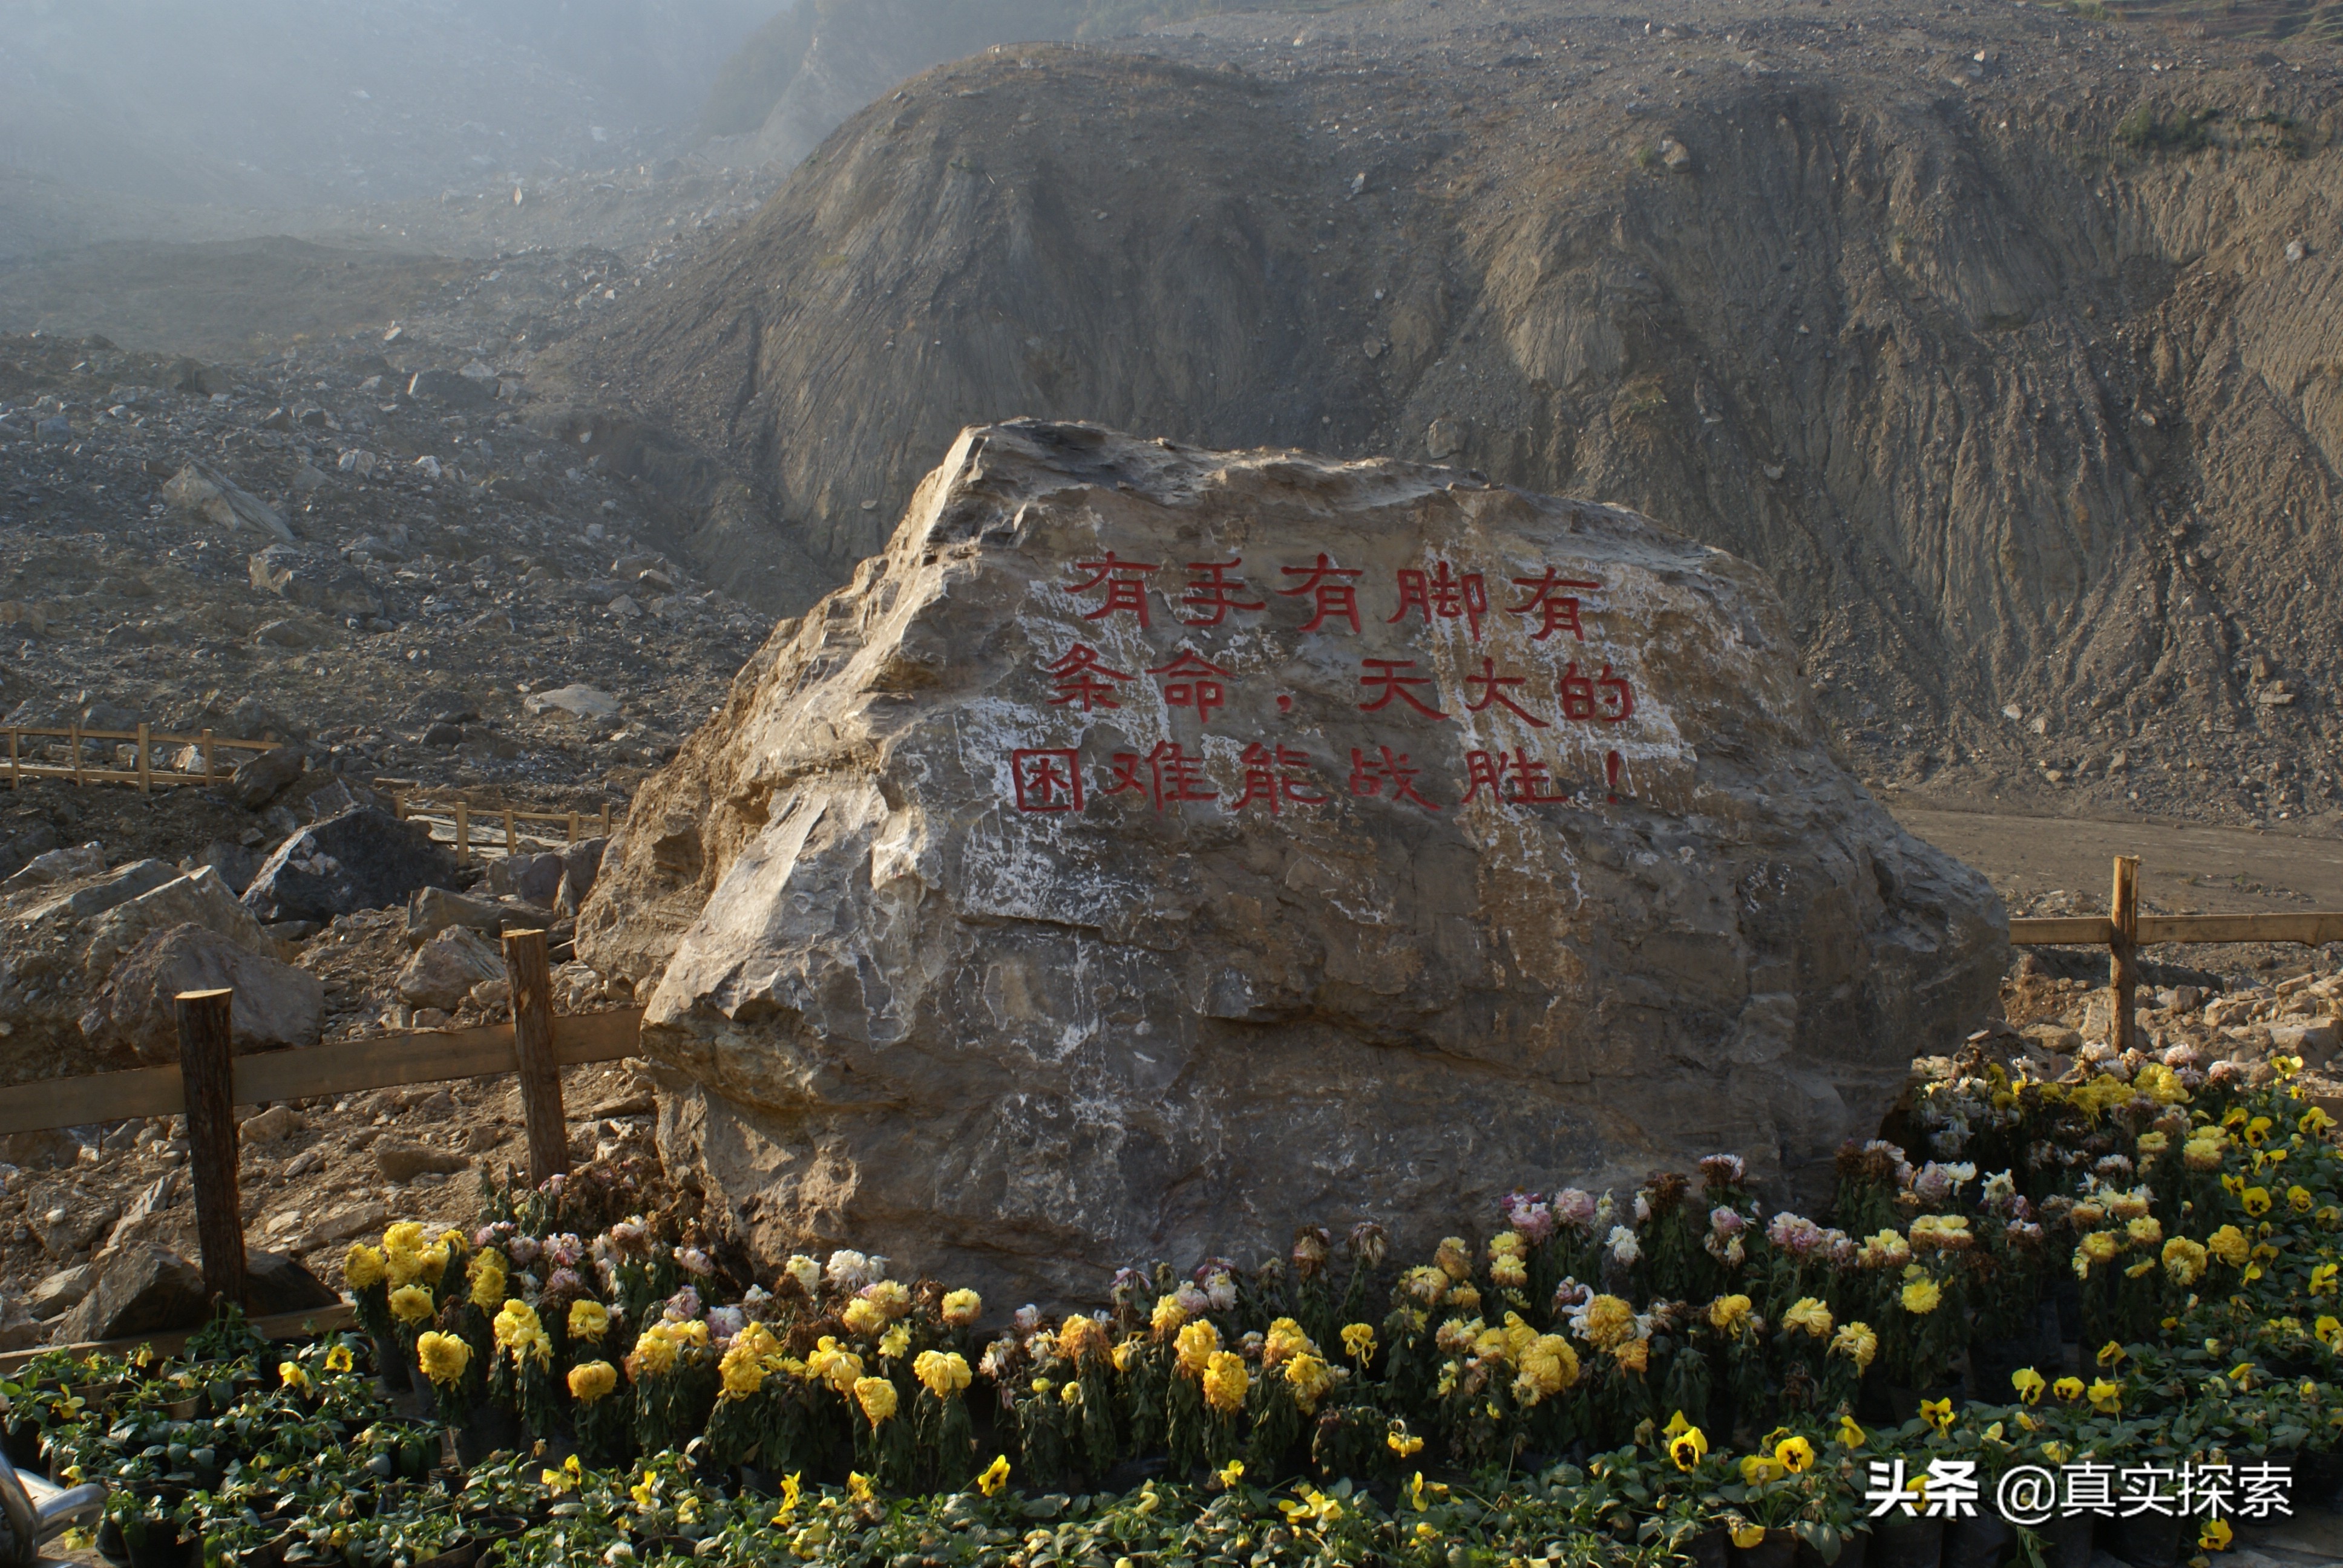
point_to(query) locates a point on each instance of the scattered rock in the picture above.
(274, 1005)
(430, 910)
(401, 1160)
(220, 501)
(363, 859)
(536, 877)
(450, 388)
(444, 970)
(260, 779)
(2313, 1040)
(98, 894)
(65, 1229)
(40, 1151)
(579, 701)
(60, 1291)
(57, 866)
(580, 863)
(278, 1121)
(276, 1282)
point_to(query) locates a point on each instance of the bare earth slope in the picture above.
(2025, 379)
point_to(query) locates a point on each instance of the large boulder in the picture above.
(274, 1004)
(1158, 848)
(362, 859)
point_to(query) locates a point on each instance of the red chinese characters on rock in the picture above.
(1519, 779)
(1441, 594)
(1173, 775)
(1047, 778)
(1192, 681)
(1492, 688)
(1077, 676)
(1330, 596)
(1605, 698)
(1383, 676)
(1212, 593)
(1269, 778)
(1370, 776)
(1555, 611)
(1122, 583)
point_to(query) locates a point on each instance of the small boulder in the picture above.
(276, 1282)
(57, 866)
(362, 859)
(60, 1293)
(275, 1004)
(65, 1229)
(582, 863)
(450, 388)
(444, 970)
(205, 493)
(257, 781)
(95, 895)
(535, 878)
(270, 1126)
(402, 1160)
(579, 701)
(144, 1289)
(430, 910)
(41, 1150)
(2312, 1039)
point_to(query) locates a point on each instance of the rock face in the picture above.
(1156, 849)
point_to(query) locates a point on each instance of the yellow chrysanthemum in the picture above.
(961, 1308)
(1225, 1381)
(1198, 1342)
(589, 1321)
(592, 1380)
(1809, 1316)
(942, 1373)
(442, 1357)
(875, 1396)
(362, 1267)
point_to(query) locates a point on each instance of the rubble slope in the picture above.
(1999, 336)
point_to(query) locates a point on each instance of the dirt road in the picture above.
(2184, 869)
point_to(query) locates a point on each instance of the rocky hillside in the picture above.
(2003, 338)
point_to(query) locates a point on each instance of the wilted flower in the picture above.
(1794, 1233)
(1026, 1319)
(684, 1305)
(1626, 1251)
(692, 1261)
(1312, 1246)
(849, 1270)
(1575, 1207)
(1369, 1243)
(1530, 1215)
(1858, 1343)
(1723, 1171)
(804, 1273)
(1808, 1316)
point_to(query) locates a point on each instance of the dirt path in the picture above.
(2184, 867)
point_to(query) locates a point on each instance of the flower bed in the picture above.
(1675, 1373)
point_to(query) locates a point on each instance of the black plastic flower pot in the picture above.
(1982, 1540)
(2147, 1540)
(1853, 1547)
(1778, 1550)
(1906, 1543)
(390, 1365)
(1709, 1549)
(2069, 1543)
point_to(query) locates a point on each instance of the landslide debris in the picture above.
(2024, 402)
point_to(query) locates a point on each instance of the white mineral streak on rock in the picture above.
(916, 1002)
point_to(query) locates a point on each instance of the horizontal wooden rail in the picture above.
(277, 1326)
(2311, 930)
(69, 734)
(377, 1063)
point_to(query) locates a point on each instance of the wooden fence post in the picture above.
(529, 973)
(605, 819)
(573, 829)
(206, 1075)
(145, 767)
(512, 835)
(210, 772)
(16, 765)
(2123, 977)
(463, 829)
(73, 738)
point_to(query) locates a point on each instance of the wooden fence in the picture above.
(210, 1081)
(463, 816)
(143, 773)
(2125, 931)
